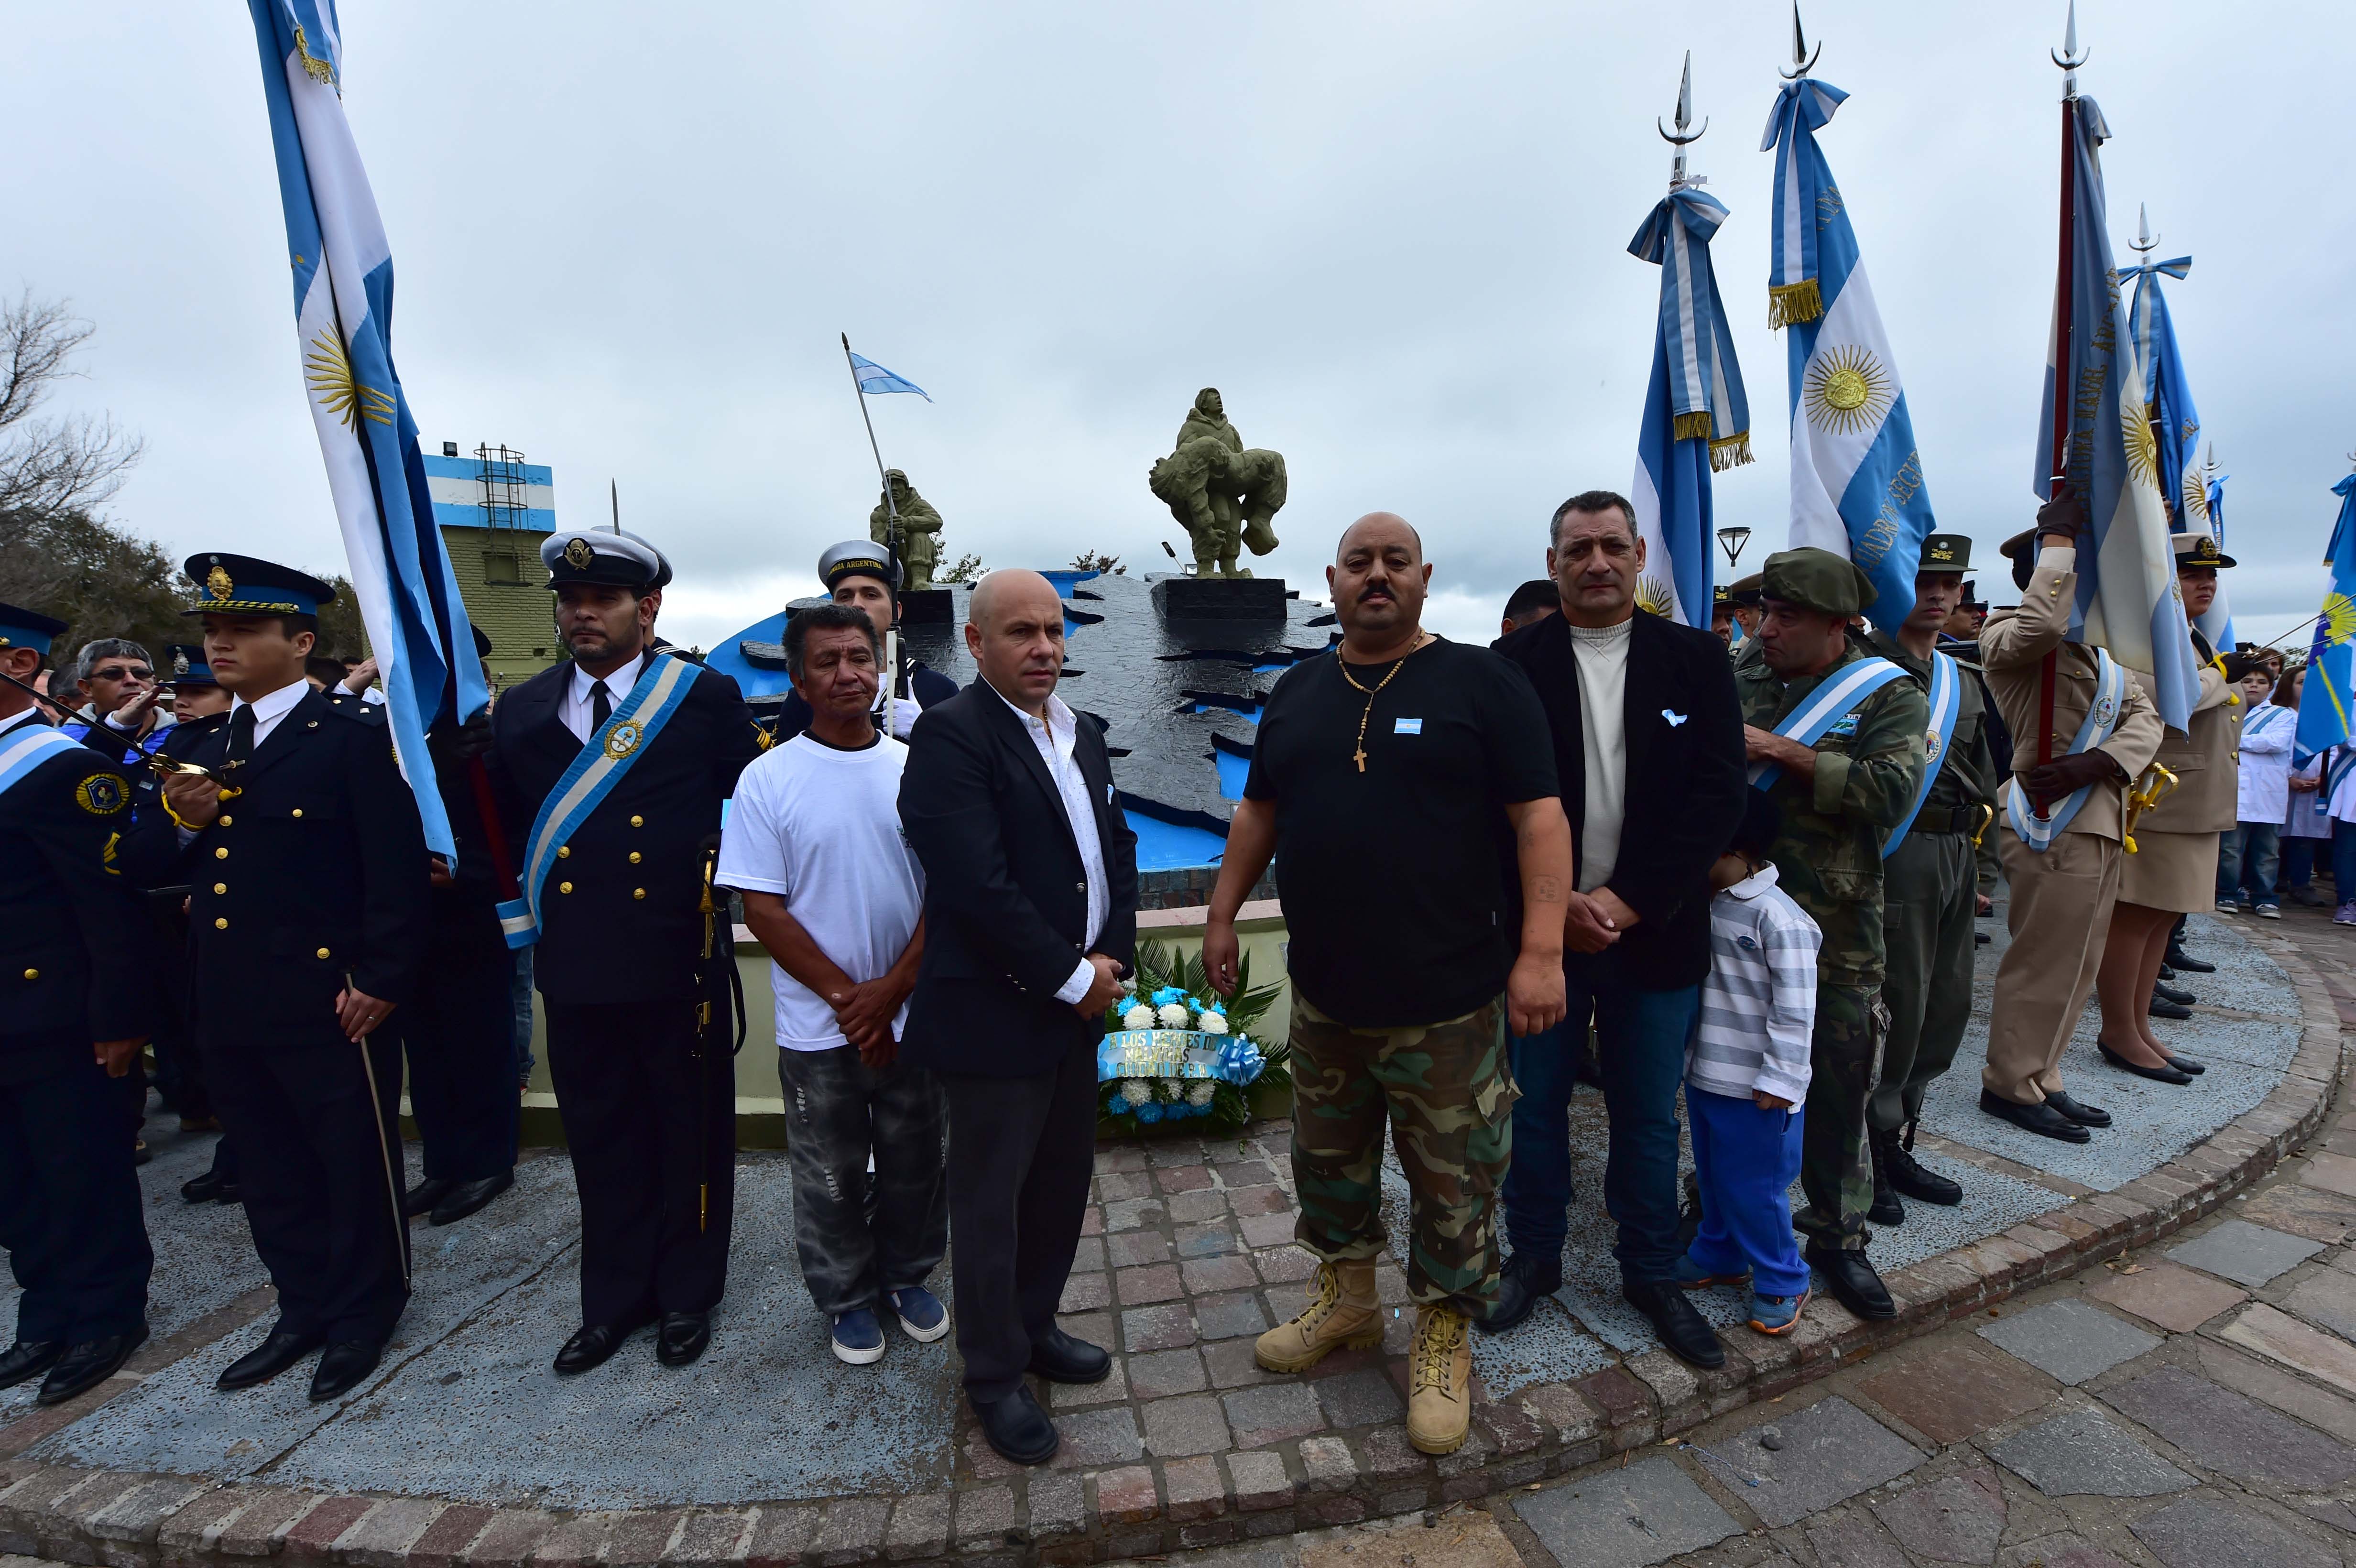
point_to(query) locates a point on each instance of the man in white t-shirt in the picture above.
(831, 890)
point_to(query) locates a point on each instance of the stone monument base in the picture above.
(1219, 598)
(927, 607)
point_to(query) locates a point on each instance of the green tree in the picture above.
(99, 579)
(967, 569)
(1098, 560)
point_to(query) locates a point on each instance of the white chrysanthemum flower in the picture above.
(1212, 1023)
(1136, 1091)
(1173, 1015)
(1138, 1017)
(1199, 1093)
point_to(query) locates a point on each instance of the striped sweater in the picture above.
(1758, 1005)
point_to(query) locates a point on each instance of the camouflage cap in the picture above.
(1817, 580)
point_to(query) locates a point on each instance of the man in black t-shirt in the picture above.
(1407, 788)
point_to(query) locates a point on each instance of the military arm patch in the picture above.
(102, 794)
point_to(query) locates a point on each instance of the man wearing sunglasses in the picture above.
(118, 692)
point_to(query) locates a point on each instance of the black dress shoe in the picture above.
(465, 1198)
(346, 1364)
(422, 1198)
(89, 1364)
(2084, 1115)
(2161, 1007)
(2156, 1074)
(266, 1361)
(2168, 993)
(682, 1337)
(1060, 1359)
(2185, 1064)
(1018, 1428)
(1521, 1284)
(1853, 1281)
(2184, 963)
(1682, 1329)
(591, 1346)
(204, 1188)
(229, 1193)
(29, 1359)
(1918, 1181)
(2041, 1118)
(2166, 973)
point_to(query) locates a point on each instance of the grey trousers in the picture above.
(1929, 890)
(860, 1236)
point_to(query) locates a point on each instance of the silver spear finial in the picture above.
(1681, 138)
(2070, 56)
(1802, 60)
(2145, 241)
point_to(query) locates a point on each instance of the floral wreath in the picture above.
(1180, 1052)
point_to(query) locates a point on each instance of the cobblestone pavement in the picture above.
(2185, 1405)
(466, 1449)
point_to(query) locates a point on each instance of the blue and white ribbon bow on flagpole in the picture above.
(1695, 417)
(2184, 484)
(2328, 696)
(2128, 600)
(1856, 480)
(342, 270)
(874, 381)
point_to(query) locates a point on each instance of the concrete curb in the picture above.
(1053, 1518)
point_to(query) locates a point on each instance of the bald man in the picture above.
(1031, 924)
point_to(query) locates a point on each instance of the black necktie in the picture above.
(600, 707)
(241, 732)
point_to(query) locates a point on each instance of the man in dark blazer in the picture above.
(75, 1001)
(1030, 922)
(649, 1112)
(1648, 749)
(305, 865)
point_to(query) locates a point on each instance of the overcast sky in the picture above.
(625, 237)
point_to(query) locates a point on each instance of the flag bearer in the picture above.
(610, 769)
(307, 916)
(1930, 886)
(77, 1001)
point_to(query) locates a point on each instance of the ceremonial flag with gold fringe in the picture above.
(1857, 479)
(1697, 420)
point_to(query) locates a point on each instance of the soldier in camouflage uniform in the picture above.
(1932, 885)
(1839, 797)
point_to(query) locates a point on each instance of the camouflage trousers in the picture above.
(1447, 1091)
(1835, 1163)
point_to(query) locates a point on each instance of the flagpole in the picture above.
(2068, 57)
(891, 536)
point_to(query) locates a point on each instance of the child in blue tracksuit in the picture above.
(1747, 1077)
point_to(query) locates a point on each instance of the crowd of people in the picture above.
(1736, 872)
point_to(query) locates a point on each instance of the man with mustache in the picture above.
(1409, 786)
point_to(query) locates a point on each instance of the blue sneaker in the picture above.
(858, 1338)
(1776, 1314)
(1691, 1276)
(921, 1313)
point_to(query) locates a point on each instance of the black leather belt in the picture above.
(1961, 819)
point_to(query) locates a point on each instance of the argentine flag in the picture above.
(1695, 417)
(2328, 697)
(2127, 599)
(2176, 428)
(874, 381)
(1856, 480)
(342, 270)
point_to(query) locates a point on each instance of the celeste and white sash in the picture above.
(26, 747)
(1827, 706)
(1947, 702)
(656, 694)
(2102, 723)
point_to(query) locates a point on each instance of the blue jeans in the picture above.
(2248, 856)
(1641, 1048)
(2298, 863)
(2343, 861)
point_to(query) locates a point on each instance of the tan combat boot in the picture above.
(1342, 1313)
(1439, 1382)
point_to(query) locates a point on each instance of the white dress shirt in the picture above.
(1056, 740)
(25, 717)
(268, 710)
(577, 707)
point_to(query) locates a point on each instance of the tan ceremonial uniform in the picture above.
(2175, 863)
(2059, 912)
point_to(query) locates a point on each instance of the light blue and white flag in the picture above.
(2128, 599)
(874, 381)
(2176, 428)
(342, 270)
(1696, 420)
(2328, 696)
(1857, 479)
(2217, 625)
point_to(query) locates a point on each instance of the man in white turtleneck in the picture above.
(1647, 737)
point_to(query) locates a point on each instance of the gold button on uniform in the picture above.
(220, 887)
(638, 822)
(225, 821)
(221, 853)
(298, 811)
(634, 857)
(564, 851)
(220, 922)
(637, 893)
(32, 973)
(323, 953)
(565, 886)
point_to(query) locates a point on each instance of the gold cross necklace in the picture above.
(1375, 690)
